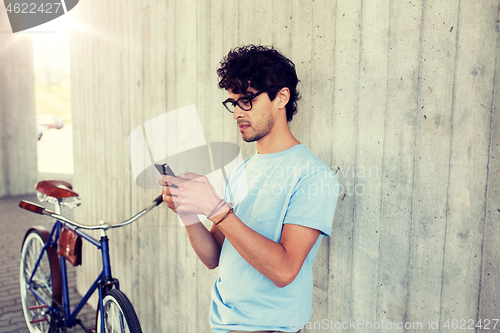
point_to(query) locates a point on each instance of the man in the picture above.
(277, 204)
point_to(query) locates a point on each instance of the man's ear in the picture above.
(283, 97)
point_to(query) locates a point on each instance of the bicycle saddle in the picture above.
(56, 188)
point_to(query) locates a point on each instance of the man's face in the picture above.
(258, 122)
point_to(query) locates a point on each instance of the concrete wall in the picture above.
(399, 96)
(18, 156)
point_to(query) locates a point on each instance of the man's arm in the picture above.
(206, 244)
(279, 262)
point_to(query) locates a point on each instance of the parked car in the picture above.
(50, 121)
(39, 130)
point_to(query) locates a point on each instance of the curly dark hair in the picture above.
(262, 68)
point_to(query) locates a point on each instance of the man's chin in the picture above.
(248, 139)
(255, 136)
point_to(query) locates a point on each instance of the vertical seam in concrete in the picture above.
(175, 56)
(383, 154)
(197, 276)
(333, 78)
(176, 283)
(163, 232)
(236, 129)
(221, 110)
(273, 29)
(291, 28)
(356, 153)
(450, 156)
(239, 28)
(167, 100)
(3, 140)
(332, 152)
(488, 170)
(310, 131)
(311, 75)
(4, 144)
(415, 159)
(131, 179)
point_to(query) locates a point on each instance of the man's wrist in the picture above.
(220, 212)
(221, 217)
(217, 209)
(221, 208)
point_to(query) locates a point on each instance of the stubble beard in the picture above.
(260, 131)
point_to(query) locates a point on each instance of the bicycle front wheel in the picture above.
(46, 281)
(119, 314)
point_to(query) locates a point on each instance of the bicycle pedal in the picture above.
(36, 321)
(38, 307)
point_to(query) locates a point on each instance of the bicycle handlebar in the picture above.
(34, 208)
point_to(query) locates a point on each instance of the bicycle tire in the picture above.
(46, 281)
(117, 306)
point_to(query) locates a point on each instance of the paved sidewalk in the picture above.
(14, 222)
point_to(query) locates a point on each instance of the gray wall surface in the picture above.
(398, 97)
(18, 156)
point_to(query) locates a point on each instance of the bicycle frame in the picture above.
(104, 280)
(103, 283)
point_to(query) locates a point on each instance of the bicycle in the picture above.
(43, 277)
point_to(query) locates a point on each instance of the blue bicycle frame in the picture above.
(103, 281)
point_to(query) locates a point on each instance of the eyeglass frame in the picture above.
(249, 98)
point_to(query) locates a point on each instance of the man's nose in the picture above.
(238, 113)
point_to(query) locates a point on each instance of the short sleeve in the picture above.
(225, 190)
(313, 201)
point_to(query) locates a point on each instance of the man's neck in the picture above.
(274, 143)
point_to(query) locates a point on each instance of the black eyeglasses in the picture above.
(245, 103)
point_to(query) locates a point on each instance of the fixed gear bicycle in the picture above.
(43, 278)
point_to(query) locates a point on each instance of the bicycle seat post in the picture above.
(57, 206)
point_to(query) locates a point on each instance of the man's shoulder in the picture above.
(311, 163)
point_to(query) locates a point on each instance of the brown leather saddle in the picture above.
(56, 188)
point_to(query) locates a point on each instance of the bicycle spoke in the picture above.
(122, 322)
(112, 310)
(115, 324)
(114, 319)
(37, 315)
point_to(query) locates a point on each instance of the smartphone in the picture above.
(164, 169)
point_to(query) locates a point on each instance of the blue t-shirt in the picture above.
(269, 190)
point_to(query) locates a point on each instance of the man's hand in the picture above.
(194, 195)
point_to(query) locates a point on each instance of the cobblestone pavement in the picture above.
(14, 222)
